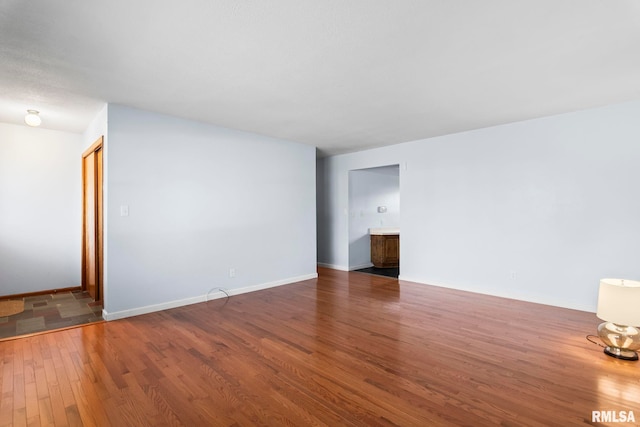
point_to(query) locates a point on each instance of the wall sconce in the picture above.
(619, 307)
(33, 118)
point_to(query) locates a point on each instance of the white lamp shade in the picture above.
(619, 301)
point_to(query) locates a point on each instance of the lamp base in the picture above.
(621, 341)
(619, 353)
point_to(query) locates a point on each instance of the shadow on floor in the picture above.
(49, 312)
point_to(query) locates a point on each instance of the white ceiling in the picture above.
(340, 75)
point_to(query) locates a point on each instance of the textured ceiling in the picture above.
(339, 75)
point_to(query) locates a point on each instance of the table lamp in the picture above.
(619, 307)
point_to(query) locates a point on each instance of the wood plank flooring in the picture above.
(346, 349)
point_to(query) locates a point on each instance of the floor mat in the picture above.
(11, 307)
(49, 312)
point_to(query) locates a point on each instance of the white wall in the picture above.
(40, 209)
(97, 128)
(202, 200)
(537, 210)
(368, 189)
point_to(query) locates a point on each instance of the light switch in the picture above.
(124, 210)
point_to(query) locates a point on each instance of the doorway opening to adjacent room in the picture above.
(374, 220)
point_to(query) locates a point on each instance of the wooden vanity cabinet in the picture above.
(385, 250)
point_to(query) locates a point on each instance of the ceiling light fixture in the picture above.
(33, 118)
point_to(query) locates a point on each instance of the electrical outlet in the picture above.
(513, 275)
(232, 272)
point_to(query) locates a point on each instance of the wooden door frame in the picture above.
(98, 218)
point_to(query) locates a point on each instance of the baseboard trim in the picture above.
(46, 292)
(507, 295)
(333, 266)
(108, 316)
(358, 267)
(151, 308)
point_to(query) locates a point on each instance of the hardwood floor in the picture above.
(346, 349)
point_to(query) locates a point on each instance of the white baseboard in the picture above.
(358, 267)
(211, 295)
(409, 279)
(151, 308)
(343, 268)
(501, 294)
(333, 266)
(238, 291)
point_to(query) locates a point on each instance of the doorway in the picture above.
(92, 220)
(374, 202)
